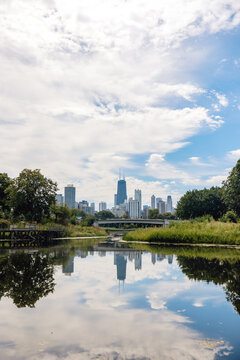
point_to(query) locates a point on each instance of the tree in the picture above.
(62, 213)
(153, 214)
(104, 214)
(5, 182)
(32, 194)
(232, 189)
(196, 203)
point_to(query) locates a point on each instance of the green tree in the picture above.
(153, 214)
(5, 182)
(232, 189)
(62, 213)
(197, 203)
(104, 214)
(32, 194)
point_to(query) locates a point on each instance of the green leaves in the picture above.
(232, 189)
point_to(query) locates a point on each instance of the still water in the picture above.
(103, 301)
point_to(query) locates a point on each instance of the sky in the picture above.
(88, 87)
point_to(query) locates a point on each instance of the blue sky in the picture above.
(148, 86)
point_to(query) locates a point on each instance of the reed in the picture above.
(213, 232)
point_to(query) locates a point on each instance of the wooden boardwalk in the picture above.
(29, 237)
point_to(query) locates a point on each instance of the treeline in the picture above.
(31, 197)
(220, 203)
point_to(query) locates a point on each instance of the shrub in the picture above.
(230, 216)
(4, 224)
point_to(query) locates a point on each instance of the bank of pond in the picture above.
(189, 232)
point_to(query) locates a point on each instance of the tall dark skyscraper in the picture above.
(121, 191)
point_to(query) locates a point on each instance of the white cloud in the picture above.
(85, 86)
(234, 155)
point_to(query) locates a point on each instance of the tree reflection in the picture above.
(218, 271)
(26, 278)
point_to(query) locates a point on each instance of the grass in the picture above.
(190, 232)
(88, 231)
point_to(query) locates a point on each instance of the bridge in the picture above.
(139, 222)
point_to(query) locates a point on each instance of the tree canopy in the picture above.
(232, 189)
(5, 182)
(196, 203)
(32, 194)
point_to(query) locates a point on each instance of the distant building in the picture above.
(59, 199)
(145, 211)
(169, 207)
(92, 206)
(153, 202)
(120, 210)
(133, 208)
(102, 206)
(121, 191)
(69, 196)
(84, 205)
(138, 197)
(115, 199)
(161, 205)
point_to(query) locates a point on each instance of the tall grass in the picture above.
(190, 232)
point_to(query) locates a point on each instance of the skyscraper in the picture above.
(169, 207)
(121, 191)
(153, 202)
(69, 196)
(161, 205)
(138, 197)
(133, 208)
(102, 206)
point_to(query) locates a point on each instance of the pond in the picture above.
(90, 300)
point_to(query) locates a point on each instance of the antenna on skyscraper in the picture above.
(119, 173)
(123, 175)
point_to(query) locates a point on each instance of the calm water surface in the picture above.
(89, 301)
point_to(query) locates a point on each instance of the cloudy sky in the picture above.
(87, 87)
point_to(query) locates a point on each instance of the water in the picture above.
(94, 301)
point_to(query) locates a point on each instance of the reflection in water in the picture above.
(220, 272)
(25, 278)
(87, 318)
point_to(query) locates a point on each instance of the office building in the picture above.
(121, 191)
(133, 208)
(161, 205)
(169, 207)
(145, 211)
(153, 202)
(102, 206)
(138, 197)
(59, 199)
(69, 196)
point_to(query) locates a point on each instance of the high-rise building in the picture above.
(69, 196)
(59, 199)
(153, 202)
(161, 205)
(121, 190)
(138, 197)
(102, 206)
(133, 208)
(115, 199)
(145, 211)
(169, 207)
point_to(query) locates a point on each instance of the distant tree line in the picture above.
(218, 202)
